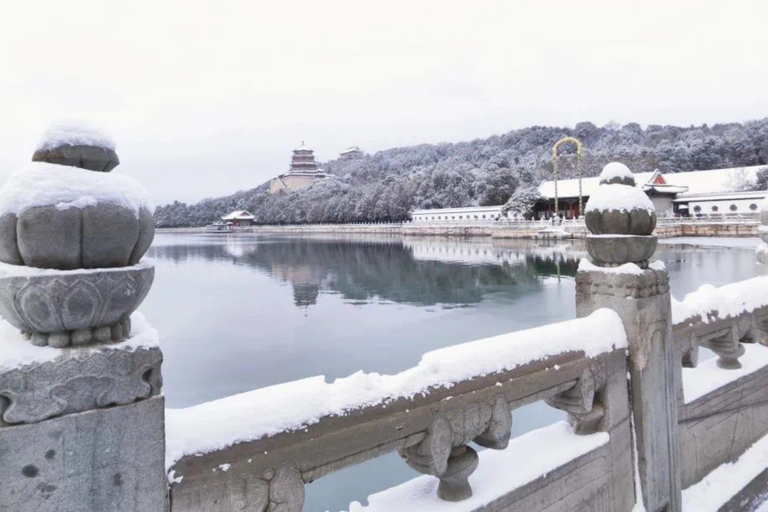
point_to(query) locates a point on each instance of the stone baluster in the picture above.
(81, 414)
(585, 412)
(444, 452)
(621, 220)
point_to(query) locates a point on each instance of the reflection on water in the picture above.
(239, 312)
(364, 270)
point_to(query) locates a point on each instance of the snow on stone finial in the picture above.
(77, 144)
(617, 173)
(620, 208)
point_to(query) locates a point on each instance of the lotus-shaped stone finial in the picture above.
(620, 218)
(72, 235)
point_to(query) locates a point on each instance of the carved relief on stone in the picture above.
(650, 284)
(273, 490)
(63, 310)
(753, 328)
(79, 383)
(584, 413)
(443, 452)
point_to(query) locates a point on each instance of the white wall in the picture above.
(724, 206)
(663, 205)
(457, 214)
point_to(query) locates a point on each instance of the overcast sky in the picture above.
(205, 98)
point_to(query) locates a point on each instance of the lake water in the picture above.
(240, 312)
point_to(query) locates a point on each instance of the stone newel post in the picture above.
(621, 218)
(81, 414)
(762, 231)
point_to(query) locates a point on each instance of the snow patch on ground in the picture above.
(294, 405)
(707, 377)
(75, 133)
(527, 458)
(619, 197)
(726, 301)
(44, 184)
(726, 480)
(15, 351)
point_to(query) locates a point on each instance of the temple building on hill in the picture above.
(303, 172)
(351, 153)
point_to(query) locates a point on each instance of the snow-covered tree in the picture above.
(522, 201)
(384, 186)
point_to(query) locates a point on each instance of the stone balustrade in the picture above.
(82, 423)
(431, 430)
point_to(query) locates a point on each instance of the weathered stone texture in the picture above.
(68, 302)
(96, 461)
(646, 314)
(79, 381)
(721, 425)
(92, 158)
(99, 236)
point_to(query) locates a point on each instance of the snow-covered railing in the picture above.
(722, 319)
(723, 402)
(262, 447)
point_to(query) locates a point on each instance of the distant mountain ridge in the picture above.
(385, 186)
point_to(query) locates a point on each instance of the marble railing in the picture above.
(429, 421)
(722, 402)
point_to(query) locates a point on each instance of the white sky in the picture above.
(205, 98)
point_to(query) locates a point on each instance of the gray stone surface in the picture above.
(77, 381)
(718, 427)
(646, 315)
(85, 157)
(47, 237)
(70, 302)
(428, 428)
(751, 497)
(444, 452)
(612, 252)
(97, 461)
(146, 235)
(109, 236)
(100, 236)
(612, 222)
(9, 248)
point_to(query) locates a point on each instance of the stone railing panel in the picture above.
(430, 429)
(718, 426)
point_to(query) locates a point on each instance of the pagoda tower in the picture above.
(303, 161)
(303, 172)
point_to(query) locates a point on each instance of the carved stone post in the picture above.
(81, 413)
(621, 218)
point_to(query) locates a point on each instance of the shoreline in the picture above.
(524, 231)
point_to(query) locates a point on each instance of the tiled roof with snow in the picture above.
(697, 182)
(239, 215)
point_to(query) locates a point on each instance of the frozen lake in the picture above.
(239, 312)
